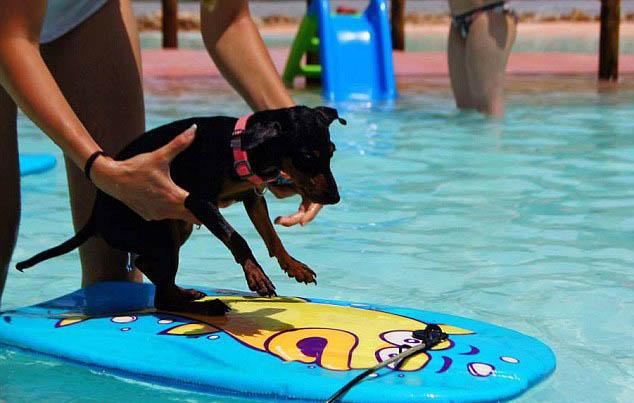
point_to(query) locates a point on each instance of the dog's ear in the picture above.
(258, 134)
(330, 114)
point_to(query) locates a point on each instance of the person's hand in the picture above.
(282, 190)
(307, 209)
(305, 213)
(143, 182)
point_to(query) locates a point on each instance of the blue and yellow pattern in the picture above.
(279, 347)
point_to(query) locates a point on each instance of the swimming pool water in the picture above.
(525, 222)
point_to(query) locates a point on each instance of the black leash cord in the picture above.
(357, 379)
(429, 337)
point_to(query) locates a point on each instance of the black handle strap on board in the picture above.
(429, 337)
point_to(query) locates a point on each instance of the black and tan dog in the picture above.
(293, 142)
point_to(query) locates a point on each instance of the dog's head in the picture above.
(295, 142)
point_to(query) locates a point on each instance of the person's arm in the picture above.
(141, 182)
(234, 43)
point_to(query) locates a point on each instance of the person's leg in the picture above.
(458, 69)
(488, 47)
(98, 69)
(9, 184)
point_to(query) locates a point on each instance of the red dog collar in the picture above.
(240, 157)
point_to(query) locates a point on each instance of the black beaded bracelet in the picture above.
(91, 161)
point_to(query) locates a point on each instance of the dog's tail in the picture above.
(76, 241)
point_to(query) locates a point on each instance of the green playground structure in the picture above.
(306, 41)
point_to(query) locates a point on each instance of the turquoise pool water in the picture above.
(527, 223)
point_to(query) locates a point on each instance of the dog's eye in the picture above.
(307, 162)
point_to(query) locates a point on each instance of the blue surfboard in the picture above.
(279, 348)
(36, 163)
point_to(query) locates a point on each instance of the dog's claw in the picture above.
(191, 294)
(257, 279)
(297, 270)
(215, 307)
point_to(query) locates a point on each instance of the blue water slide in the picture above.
(355, 52)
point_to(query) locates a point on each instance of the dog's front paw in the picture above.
(258, 280)
(298, 270)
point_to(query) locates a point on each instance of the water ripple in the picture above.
(525, 222)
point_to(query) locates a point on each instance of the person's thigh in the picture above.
(458, 70)
(487, 52)
(98, 69)
(9, 184)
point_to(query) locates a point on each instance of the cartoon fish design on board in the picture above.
(334, 337)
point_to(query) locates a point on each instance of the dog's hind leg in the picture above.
(145, 266)
(168, 296)
(181, 231)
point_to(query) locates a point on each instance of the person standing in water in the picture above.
(74, 68)
(481, 36)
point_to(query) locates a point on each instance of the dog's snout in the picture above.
(332, 197)
(325, 197)
(335, 199)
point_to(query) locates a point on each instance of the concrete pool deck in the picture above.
(188, 63)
